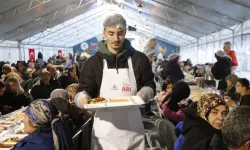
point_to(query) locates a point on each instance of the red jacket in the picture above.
(232, 55)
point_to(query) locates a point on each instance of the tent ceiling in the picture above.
(73, 21)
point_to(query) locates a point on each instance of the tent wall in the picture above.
(203, 50)
(13, 51)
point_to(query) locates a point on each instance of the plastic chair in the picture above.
(167, 132)
(156, 141)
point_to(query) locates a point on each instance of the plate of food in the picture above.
(7, 122)
(102, 103)
(9, 142)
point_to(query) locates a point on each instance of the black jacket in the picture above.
(16, 102)
(245, 99)
(231, 92)
(214, 143)
(172, 70)
(41, 91)
(195, 129)
(220, 70)
(54, 83)
(92, 71)
(65, 80)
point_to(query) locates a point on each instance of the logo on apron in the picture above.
(126, 87)
(114, 88)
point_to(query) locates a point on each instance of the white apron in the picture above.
(121, 128)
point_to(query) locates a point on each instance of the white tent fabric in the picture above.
(203, 50)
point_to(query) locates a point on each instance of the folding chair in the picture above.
(82, 137)
(167, 132)
(155, 141)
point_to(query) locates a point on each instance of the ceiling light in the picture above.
(140, 8)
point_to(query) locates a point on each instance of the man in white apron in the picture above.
(116, 70)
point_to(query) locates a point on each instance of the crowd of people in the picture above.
(55, 91)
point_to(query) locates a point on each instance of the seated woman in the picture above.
(231, 83)
(46, 131)
(177, 103)
(16, 95)
(243, 89)
(166, 90)
(204, 121)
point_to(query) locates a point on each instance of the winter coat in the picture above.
(195, 129)
(81, 62)
(40, 90)
(42, 141)
(173, 116)
(180, 139)
(65, 80)
(23, 99)
(214, 143)
(172, 71)
(220, 70)
(245, 99)
(231, 92)
(92, 71)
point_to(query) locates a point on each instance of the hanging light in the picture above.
(140, 8)
(48, 29)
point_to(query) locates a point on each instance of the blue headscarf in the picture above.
(43, 114)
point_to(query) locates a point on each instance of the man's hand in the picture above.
(82, 100)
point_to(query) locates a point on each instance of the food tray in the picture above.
(133, 101)
(9, 144)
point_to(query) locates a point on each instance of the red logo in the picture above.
(126, 89)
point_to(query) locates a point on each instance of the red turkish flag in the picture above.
(60, 53)
(32, 54)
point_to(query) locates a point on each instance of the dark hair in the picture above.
(166, 83)
(244, 82)
(180, 91)
(2, 85)
(40, 55)
(236, 129)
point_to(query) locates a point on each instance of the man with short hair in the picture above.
(236, 129)
(231, 54)
(116, 70)
(54, 83)
(150, 46)
(8, 71)
(42, 89)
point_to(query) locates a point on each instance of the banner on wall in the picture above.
(60, 53)
(32, 54)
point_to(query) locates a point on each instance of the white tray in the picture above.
(134, 101)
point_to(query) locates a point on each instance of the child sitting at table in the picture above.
(178, 102)
(166, 91)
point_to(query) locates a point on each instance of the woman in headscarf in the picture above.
(61, 99)
(178, 102)
(204, 121)
(172, 70)
(16, 95)
(46, 131)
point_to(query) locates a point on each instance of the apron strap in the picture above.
(130, 65)
(105, 64)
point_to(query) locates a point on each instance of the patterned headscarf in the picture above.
(208, 102)
(41, 113)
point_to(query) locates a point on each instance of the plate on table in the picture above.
(116, 102)
(11, 140)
